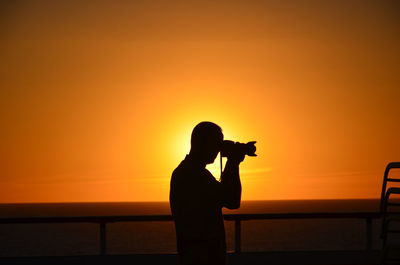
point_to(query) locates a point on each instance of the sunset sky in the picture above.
(98, 98)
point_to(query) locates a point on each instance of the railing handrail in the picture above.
(167, 217)
(303, 215)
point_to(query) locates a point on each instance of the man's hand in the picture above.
(236, 157)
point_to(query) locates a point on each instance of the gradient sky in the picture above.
(98, 98)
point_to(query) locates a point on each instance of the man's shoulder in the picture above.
(185, 168)
(187, 172)
(181, 168)
(179, 171)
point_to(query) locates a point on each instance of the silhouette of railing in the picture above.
(237, 218)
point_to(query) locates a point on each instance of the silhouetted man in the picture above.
(197, 198)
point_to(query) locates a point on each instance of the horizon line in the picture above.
(166, 201)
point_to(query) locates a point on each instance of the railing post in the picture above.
(237, 236)
(103, 239)
(369, 233)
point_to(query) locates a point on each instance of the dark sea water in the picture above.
(159, 237)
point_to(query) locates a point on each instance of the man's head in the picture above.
(206, 141)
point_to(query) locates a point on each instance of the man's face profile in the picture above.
(214, 148)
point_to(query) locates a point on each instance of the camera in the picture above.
(230, 148)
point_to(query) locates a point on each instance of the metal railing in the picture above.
(237, 218)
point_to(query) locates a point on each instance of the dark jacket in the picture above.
(196, 200)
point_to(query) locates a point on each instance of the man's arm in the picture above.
(230, 182)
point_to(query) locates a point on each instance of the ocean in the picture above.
(159, 237)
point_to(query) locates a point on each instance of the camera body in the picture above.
(230, 148)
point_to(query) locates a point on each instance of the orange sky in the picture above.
(98, 98)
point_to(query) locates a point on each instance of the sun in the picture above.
(179, 146)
